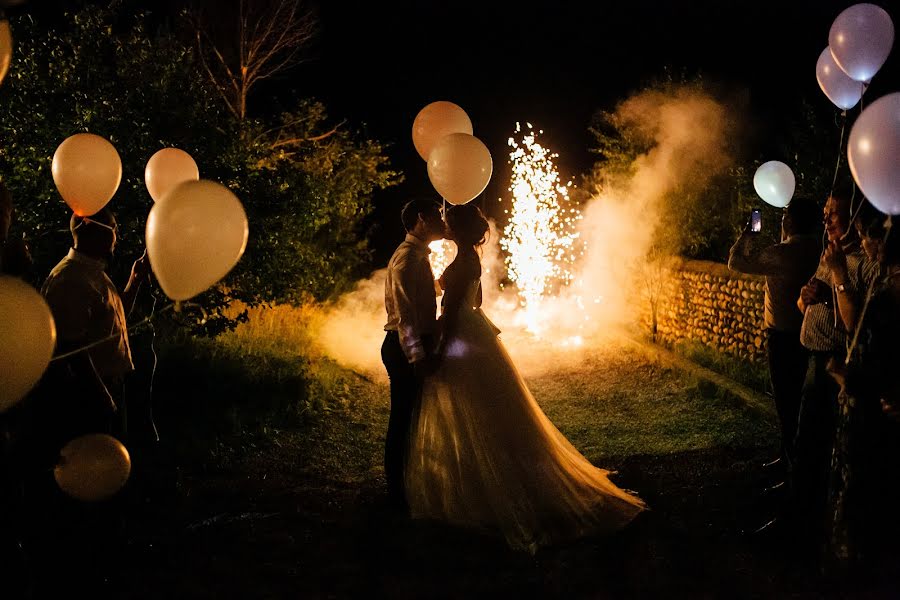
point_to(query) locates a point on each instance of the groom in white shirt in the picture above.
(407, 351)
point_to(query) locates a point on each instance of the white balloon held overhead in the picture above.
(874, 153)
(860, 39)
(459, 167)
(87, 171)
(435, 121)
(837, 85)
(27, 339)
(195, 235)
(774, 182)
(166, 169)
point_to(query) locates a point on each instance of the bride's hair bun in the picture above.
(467, 224)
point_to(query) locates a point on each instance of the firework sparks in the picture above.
(540, 240)
(442, 254)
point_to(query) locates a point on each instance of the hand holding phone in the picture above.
(755, 220)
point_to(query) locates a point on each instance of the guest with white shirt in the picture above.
(88, 310)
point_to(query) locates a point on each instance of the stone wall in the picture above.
(708, 303)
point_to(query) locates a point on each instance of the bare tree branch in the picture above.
(269, 40)
(220, 88)
(299, 140)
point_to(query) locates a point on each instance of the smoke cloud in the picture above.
(687, 135)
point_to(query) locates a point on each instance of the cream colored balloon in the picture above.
(435, 121)
(86, 170)
(27, 339)
(6, 44)
(92, 467)
(195, 235)
(166, 169)
(459, 167)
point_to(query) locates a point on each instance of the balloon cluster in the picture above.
(197, 229)
(859, 43)
(196, 232)
(459, 164)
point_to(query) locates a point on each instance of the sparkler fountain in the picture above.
(540, 239)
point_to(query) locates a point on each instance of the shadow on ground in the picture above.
(246, 535)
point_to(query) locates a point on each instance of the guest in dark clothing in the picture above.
(79, 395)
(823, 333)
(14, 260)
(88, 309)
(787, 267)
(864, 467)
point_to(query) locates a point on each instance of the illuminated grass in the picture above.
(615, 403)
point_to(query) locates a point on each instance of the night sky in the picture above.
(378, 63)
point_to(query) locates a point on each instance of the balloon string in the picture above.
(153, 370)
(116, 336)
(837, 167)
(855, 212)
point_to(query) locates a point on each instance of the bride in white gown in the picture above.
(482, 452)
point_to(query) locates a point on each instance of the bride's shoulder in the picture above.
(464, 267)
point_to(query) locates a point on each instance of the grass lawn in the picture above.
(281, 492)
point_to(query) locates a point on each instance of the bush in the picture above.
(116, 73)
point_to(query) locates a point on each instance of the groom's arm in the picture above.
(410, 297)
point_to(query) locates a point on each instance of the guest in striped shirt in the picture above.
(824, 335)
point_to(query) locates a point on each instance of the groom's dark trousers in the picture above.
(405, 391)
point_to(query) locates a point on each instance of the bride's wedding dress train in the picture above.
(484, 455)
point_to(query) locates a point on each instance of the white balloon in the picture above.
(434, 122)
(195, 235)
(874, 153)
(166, 169)
(27, 339)
(92, 467)
(837, 85)
(860, 39)
(87, 170)
(459, 167)
(6, 48)
(774, 182)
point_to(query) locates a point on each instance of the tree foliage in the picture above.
(703, 221)
(111, 72)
